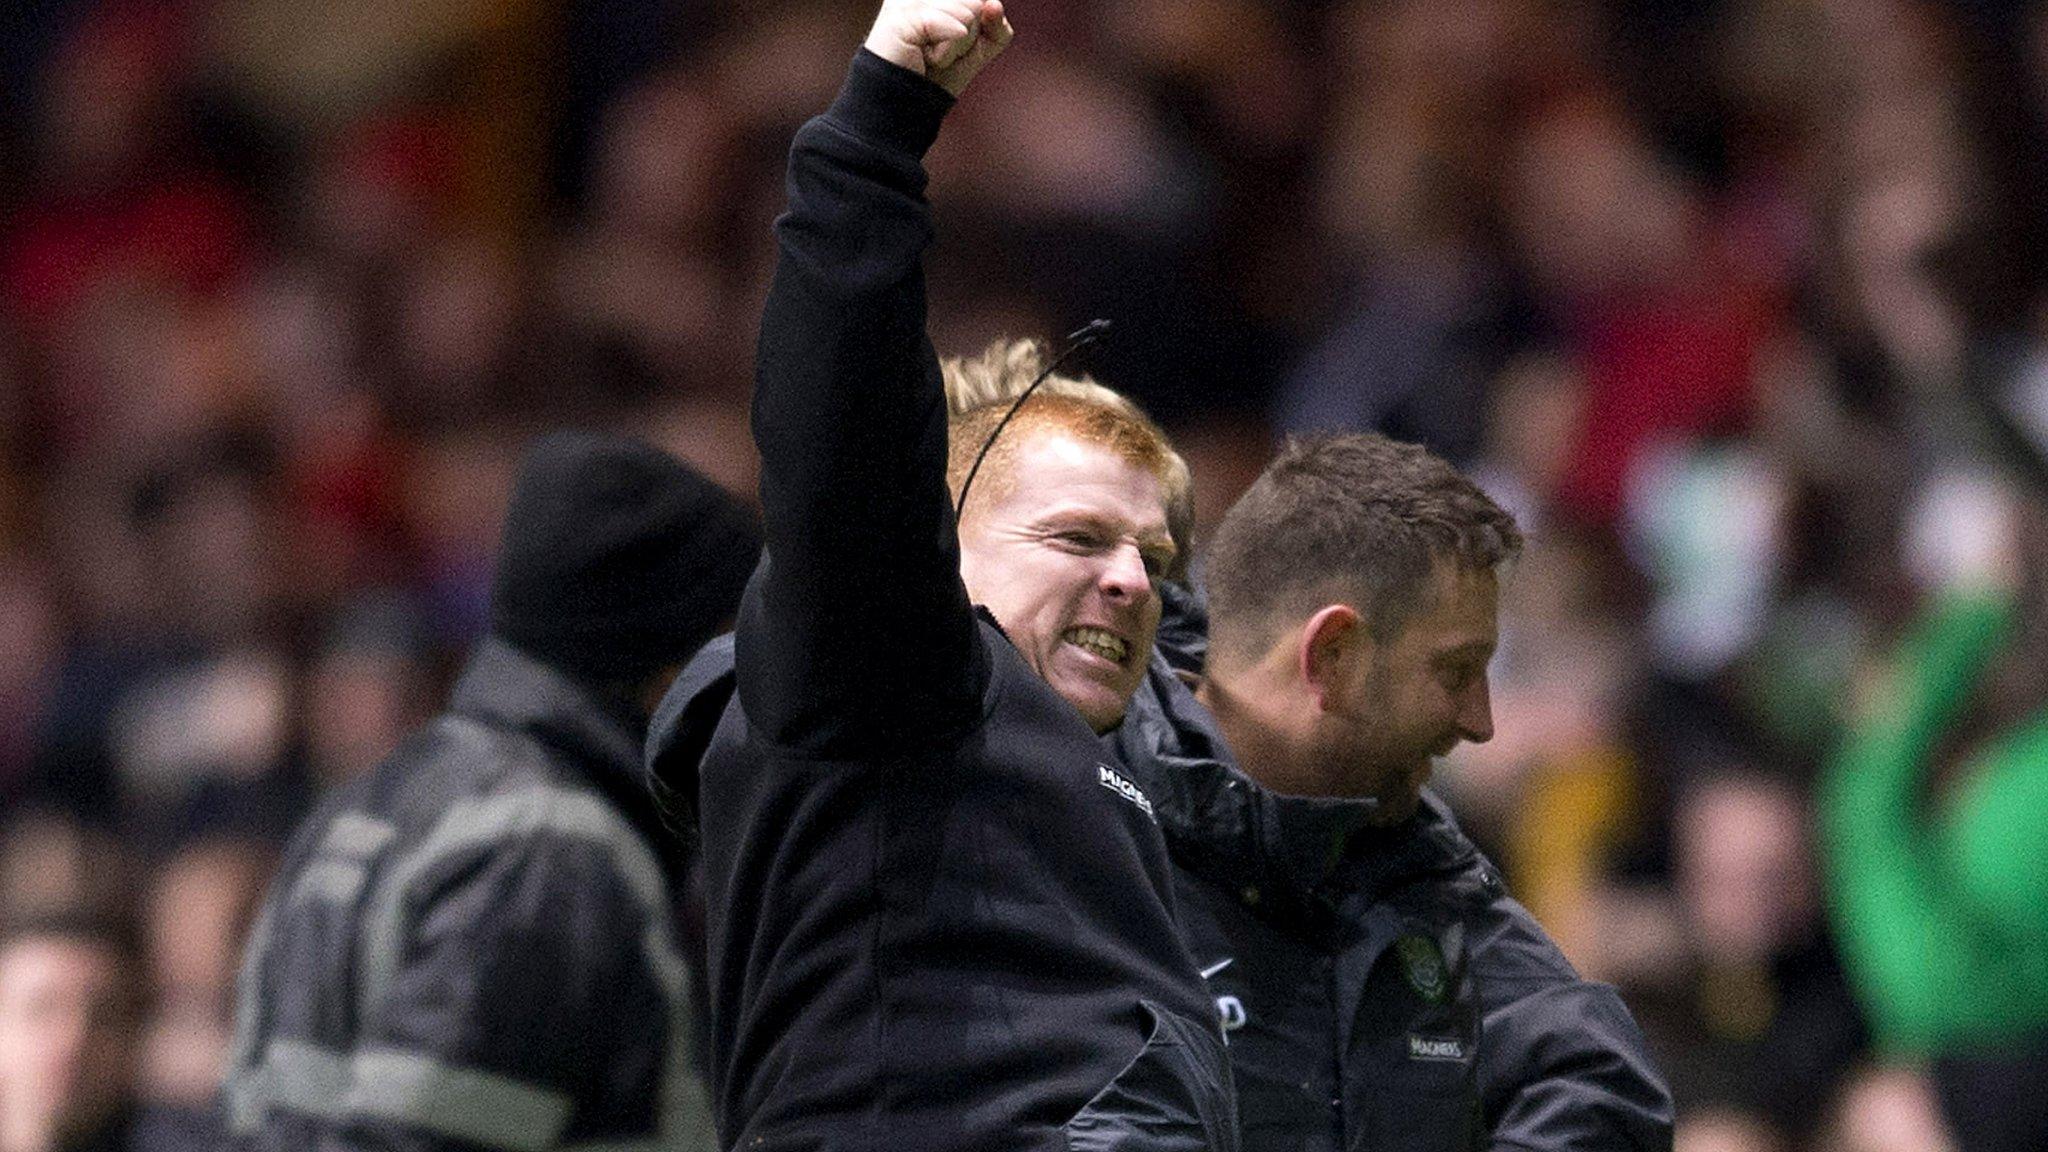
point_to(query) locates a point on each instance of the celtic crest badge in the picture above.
(1423, 963)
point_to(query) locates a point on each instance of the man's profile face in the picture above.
(1063, 553)
(1414, 696)
(65, 1036)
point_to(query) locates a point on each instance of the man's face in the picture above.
(1413, 697)
(1064, 555)
(65, 1034)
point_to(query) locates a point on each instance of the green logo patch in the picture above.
(1423, 963)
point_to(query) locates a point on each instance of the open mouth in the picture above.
(1099, 642)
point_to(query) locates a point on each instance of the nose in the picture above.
(1124, 578)
(1475, 712)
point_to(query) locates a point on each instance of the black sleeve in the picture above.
(1562, 1064)
(857, 633)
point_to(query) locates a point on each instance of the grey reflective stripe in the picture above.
(356, 836)
(242, 1090)
(476, 823)
(477, 1107)
(304, 1078)
(493, 1111)
(329, 881)
(685, 1105)
(489, 1108)
(341, 864)
(353, 836)
(685, 1111)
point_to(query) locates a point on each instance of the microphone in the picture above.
(1093, 332)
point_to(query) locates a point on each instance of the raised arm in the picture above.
(858, 632)
(1934, 910)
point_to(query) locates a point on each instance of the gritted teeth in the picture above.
(1106, 644)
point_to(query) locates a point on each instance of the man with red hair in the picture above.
(939, 918)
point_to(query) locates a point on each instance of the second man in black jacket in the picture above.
(1379, 987)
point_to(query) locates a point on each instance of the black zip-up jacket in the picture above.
(938, 919)
(1379, 988)
(476, 945)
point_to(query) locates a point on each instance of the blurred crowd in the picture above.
(1738, 304)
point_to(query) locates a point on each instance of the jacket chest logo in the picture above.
(1229, 1009)
(1113, 780)
(1422, 1047)
(1231, 1014)
(1422, 962)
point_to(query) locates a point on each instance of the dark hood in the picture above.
(1293, 857)
(598, 733)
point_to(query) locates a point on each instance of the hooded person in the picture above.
(480, 943)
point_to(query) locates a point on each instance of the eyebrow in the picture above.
(1156, 545)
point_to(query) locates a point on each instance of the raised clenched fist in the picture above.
(949, 41)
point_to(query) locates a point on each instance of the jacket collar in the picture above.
(599, 733)
(1293, 856)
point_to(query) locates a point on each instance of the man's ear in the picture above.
(1329, 645)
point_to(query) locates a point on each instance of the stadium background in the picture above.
(1738, 304)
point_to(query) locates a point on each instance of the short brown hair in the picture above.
(980, 390)
(1361, 519)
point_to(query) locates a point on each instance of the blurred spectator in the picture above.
(1562, 794)
(29, 649)
(50, 864)
(1555, 792)
(644, 277)
(1626, 254)
(453, 493)
(1707, 522)
(197, 909)
(1400, 198)
(1749, 1014)
(366, 687)
(1933, 811)
(1890, 1109)
(68, 1012)
(115, 199)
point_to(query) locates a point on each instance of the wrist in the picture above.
(895, 50)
